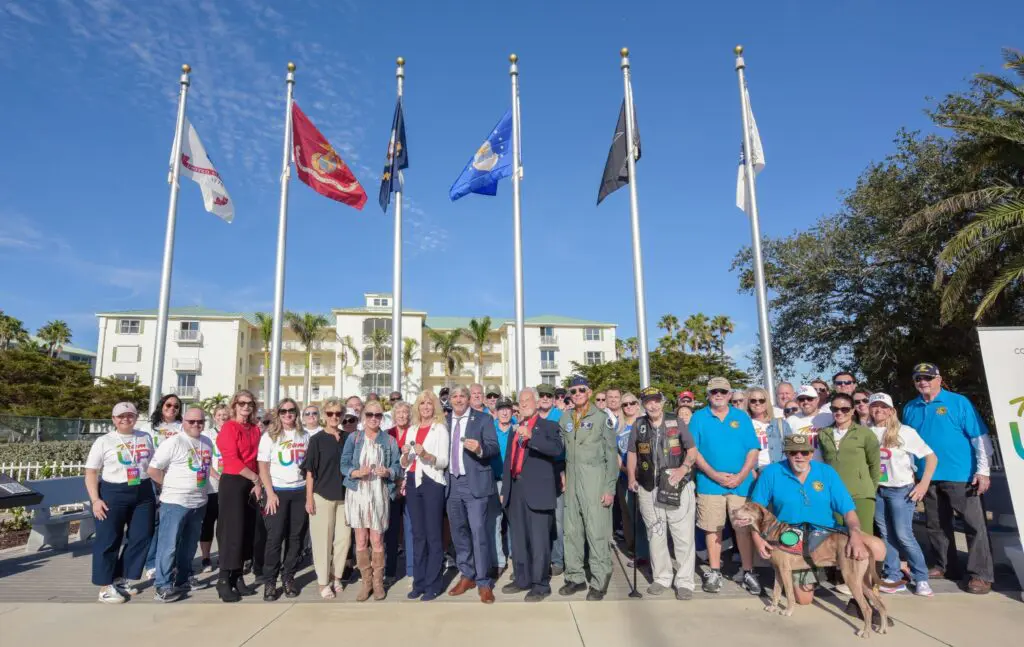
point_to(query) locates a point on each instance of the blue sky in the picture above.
(90, 97)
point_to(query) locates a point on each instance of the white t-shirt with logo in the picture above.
(185, 462)
(284, 457)
(809, 426)
(763, 457)
(897, 468)
(163, 431)
(114, 453)
(215, 465)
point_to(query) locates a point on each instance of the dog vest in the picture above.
(803, 539)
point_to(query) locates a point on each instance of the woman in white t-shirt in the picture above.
(282, 448)
(122, 499)
(898, 495)
(771, 431)
(181, 466)
(221, 414)
(164, 423)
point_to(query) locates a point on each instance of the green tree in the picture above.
(671, 372)
(699, 333)
(990, 242)
(620, 348)
(380, 339)
(348, 351)
(453, 356)
(210, 404)
(12, 331)
(722, 327)
(265, 323)
(632, 345)
(479, 331)
(409, 348)
(310, 329)
(55, 334)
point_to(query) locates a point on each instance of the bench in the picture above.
(49, 531)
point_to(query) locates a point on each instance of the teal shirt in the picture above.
(724, 444)
(947, 424)
(817, 500)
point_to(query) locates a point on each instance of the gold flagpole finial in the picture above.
(400, 60)
(291, 66)
(624, 52)
(512, 58)
(738, 50)
(186, 68)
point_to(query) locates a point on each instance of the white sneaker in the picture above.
(110, 595)
(125, 587)
(194, 584)
(149, 574)
(924, 589)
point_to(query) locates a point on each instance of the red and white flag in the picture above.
(196, 165)
(320, 166)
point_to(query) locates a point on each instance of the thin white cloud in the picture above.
(22, 13)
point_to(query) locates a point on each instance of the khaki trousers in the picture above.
(331, 538)
(679, 521)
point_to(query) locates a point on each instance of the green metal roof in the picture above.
(187, 311)
(67, 348)
(450, 323)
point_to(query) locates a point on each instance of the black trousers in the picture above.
(210, 519)
(237, 522)
(258, 552)
(942, 500)
(285, 527)
(531, 542)
(426, 508)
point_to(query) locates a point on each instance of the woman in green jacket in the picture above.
(852, 450)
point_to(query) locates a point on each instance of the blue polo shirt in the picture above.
(947, 424)
(724, 444)
(498, 462)
(813, 501)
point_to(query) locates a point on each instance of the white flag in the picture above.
(196, 166)
(757, 158)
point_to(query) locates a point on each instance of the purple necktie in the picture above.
(456, 449)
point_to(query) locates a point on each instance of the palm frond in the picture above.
(996, 220)
(1011, 274)
(958, 204)
(997, 127)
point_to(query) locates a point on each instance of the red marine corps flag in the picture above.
(320, 166)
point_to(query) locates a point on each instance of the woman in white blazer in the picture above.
(425, 457)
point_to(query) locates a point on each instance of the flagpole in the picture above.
(767, 365)
(156, 385)
(517, 227)
(271, 396)
(396, 290)
(634, 214)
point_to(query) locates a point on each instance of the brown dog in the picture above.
(860, 576)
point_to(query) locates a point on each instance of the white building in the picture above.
(211, 352)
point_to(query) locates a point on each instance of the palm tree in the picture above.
(699, 329)
(409, 346)
(309, 328)
(668, 323)
(721, 327)
(681, 337)
(620, 348)
(380, 338)
(55, 334)
(347, 350)
(211, 403)
(453, 356)
(266, 326)
(632, 346)
(996, 231)
(479, 331)
(12, 331)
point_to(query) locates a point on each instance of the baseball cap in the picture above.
(807, 390)
(719, 383)
(687, 394)
(797, 443)
(649, 393)
(545, 389)
(881, 397)
(493, 390)
(350, 413)
(559, 392)
(579, 380)
(122, 408)
(504, 403)
(926, 368)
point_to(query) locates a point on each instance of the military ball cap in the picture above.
(650, 393)
(926, 368)
(797, 443)
(545, 389)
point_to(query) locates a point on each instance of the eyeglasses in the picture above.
(631, 403)
(195, 422)
(376, 415)
(492, 397)
(842, 409)
(806, 398)
(332, 414)
(285, 412)
(923, 378)
(800, 453)
(351, 420)
(599, 399)
(790, 411)
(546, 395)
(309, 413)
(860, 401)
(821, 389)
(757, 400)
(737, 401)
(581, 389)
(842, 382)
(244, 403)
(171, 405)
(718, 392)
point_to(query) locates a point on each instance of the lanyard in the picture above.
(130, 450)
(195, 453)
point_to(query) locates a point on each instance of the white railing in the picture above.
(186, 364)
(188, 336)
(189, 392)
(380, 365)
(323, 370)
(549, 340)
(36, 471)
(548, 365)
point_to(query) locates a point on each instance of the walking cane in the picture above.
(634, 593)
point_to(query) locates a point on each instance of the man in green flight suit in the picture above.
(591, 467)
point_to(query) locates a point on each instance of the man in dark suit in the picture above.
(528, 494)
(470, 487)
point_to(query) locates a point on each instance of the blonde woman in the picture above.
(281, 452)
(771, 431)
(221, 414)
(898, 495)
(425, 459)
(369, 463)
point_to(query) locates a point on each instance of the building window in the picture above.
(186, 379)
(369, 325)
(381, 302)
(547, 331)
(129, 326)
(239, 363)
(549, 379)
(592, 334)
(315, 391)
(547, 356)
(127, 354)
(126, 377)
(594, 357)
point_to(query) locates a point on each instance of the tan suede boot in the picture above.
(365, 574)
(378, 576)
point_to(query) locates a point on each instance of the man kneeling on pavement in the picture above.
(660, 463)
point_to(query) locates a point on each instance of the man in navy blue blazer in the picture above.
(471, 486)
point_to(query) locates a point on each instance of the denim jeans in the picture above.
(176, 543)
(894, 519)
(558, 548)
(496, 518)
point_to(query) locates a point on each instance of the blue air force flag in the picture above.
(397, 159)
(757, 159)
(491, 162)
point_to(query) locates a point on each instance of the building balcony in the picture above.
(549, 340)
(188, 337)
(187, 364)
(186, 392)
(368, 340)
(322, 370)
(549, 366)
(375, 366)
(295, 345)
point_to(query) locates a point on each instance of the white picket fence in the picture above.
(36, 471)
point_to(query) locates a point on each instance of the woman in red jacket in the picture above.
(238, 440)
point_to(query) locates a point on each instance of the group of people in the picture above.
(539, 483)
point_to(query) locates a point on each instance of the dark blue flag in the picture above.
(398, 159)
(492, 161)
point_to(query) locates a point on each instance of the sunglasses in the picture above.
(631, 403)
(821, 389)
(492, 397)
(351, 420)
(172, 406)
(376, 415)
(581, 389)
(717, 392)
(332, 414)
(244, 403)
(286, 411)
(842, 409)
(309, 413)
(267, 421)
(800, 453)
(843, 382)
(195, 422)
(757, 400)
(806, 398)
(737, 401)
(923, 378)
(860, 401)
(790, 411)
